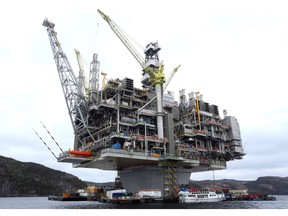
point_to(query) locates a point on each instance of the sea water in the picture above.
(43, 203)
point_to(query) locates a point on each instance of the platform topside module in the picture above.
(152, 140)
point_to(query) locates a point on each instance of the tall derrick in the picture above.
(94, 78)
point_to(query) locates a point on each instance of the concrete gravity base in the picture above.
(149, 177)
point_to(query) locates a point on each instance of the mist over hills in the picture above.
(32, 179)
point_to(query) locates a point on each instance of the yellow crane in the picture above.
(156, 75)
(115, 28)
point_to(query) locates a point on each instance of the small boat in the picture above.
(200, 196)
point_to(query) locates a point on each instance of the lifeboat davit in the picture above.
(82, 153)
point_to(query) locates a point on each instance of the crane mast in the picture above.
(74, 96)
(151, 66)
(89, 87)
(82, 79)
(94, 78)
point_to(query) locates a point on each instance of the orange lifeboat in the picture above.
(81, 153)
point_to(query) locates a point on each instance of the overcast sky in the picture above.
(234, 52)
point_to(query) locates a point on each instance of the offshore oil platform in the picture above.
(150, 139)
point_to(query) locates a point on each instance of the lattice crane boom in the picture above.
(94, 73)
(115, 28)
(74, 97)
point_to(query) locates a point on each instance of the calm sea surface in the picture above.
(44, 203)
